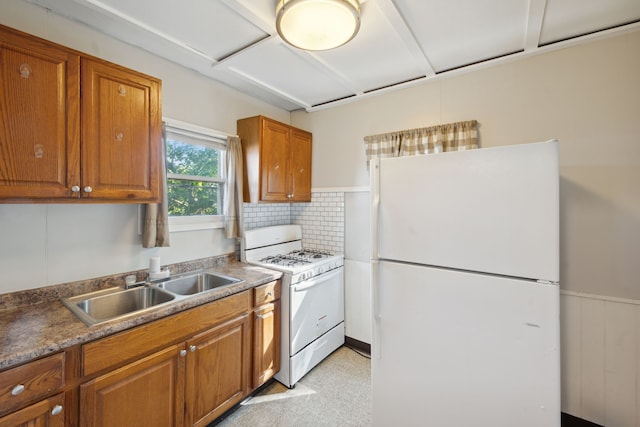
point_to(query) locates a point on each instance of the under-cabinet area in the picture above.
(186, 368)
(75, 127)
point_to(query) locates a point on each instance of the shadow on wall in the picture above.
(600, 230)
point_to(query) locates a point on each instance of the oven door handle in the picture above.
(313, 283)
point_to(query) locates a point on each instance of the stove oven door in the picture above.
(317, 305)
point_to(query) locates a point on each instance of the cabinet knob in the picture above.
(56, 410)
(192, 348)
(88, 189)
(183, 353)
(270, 293)
(17, 390)
(121, 90)
(75, 188)
(25, 70)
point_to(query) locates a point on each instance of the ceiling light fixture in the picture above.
(317, 24)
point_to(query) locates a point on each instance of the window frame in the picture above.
(198, 135)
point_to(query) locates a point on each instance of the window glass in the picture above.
(195, 181)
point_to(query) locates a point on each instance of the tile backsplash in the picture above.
(257, 215)
(322, 219)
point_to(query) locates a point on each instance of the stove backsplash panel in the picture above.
(322, 220)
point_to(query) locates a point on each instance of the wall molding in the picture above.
(340, 190)
(600, 297)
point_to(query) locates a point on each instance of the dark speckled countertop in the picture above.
(35, 329)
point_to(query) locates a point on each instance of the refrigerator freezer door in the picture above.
(494, 210)
(463, 349)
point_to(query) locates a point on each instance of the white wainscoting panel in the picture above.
(592, 356)
(357, 299)
(570, 307)
(600, 339)
(620, 364)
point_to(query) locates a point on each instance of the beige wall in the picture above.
(50, 244)
(587, 96)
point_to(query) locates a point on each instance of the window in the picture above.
(195, 176)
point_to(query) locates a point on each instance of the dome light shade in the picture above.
(317, 24)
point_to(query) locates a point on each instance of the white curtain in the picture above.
(233, 214)
(155, 227)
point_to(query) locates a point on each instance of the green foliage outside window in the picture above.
(192, 193)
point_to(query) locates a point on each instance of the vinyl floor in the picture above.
(337, 392)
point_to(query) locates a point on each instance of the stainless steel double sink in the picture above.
(119, 303)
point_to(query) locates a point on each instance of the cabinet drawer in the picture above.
(32, 381)
(266, 293)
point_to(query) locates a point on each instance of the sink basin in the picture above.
(115, 303)
(195, 283)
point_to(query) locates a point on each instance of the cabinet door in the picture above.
(39, 118)
(218, 369)
(266, 342)
(121, 133)
(46, 413)
(148, 392)
(300, 166)
(274, 154)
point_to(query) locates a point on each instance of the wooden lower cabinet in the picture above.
(45, 413)
(218, 366)
(266, 342)
(148, 392)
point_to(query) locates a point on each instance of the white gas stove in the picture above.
(312, 296)
(280, 248)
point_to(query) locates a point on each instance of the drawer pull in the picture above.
(270, 293)
(17, 390)
(56, 410)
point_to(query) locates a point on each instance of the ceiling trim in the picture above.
(401, 27)
(224, 63)
(269, 88)
(534, 24)
(486, 64)
(262, 22)
(321, 65)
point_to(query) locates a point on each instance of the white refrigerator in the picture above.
(465, 272)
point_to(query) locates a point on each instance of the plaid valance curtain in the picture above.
(435, 139)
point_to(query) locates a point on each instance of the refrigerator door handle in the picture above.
(374, 179)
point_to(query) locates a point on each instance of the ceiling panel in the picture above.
(570, 18)
(207, 26)
(379, 55)
(455, 33)
(293, 74)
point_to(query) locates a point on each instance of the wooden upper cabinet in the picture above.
(300, 166)
(39, 118)
(74, 127)
(121, 130)
(277, 161)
